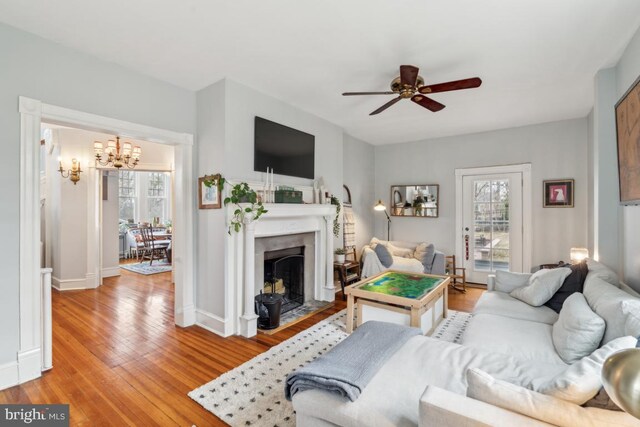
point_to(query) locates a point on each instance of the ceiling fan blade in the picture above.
(454, 85)
(427, 103)
(385, 106)
(408, 75)
(367, 93)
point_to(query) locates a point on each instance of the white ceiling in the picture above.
(537, 58)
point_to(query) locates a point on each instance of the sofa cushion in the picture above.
(573, 283)
(383, 255)
(598, 269)
(401, 252)
(519, 338)
(485, 388)
(425, 253)
(631, 309)
(606, 299)
(506, 281)
(578, 331)
(502, 304)
(582, 380)
(542, 285)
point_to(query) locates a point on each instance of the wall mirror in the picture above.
(415, 200)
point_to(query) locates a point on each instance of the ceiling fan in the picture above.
(410, 85)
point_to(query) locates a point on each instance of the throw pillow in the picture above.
(578, 330)
(384, 255)
(425, 254)
(582, 380)
(606, 299)
(538, 406)
(631, 309)
(542, 285)
(401, 252)
(573, 283)
(507, 281)
(374, 242)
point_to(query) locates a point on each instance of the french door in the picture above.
(492, 225)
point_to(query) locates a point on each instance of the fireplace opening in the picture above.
(284, 275)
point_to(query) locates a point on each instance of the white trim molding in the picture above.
(110, 272)
(32, 112)
(213, 323)
(9, 375)
(525, 170)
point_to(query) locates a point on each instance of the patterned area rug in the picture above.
(253, 393)
(159, 266)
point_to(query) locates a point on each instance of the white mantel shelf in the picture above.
(281, 219)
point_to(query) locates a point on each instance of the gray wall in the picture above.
(40, 69)
(358, 174)
(555, 150)
(226, 112)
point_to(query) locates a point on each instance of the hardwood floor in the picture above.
(120, 360)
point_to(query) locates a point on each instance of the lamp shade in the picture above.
(97, 147)
(621, 379)
(579, 254)
(380, 206)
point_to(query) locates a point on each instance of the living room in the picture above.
(547, 100)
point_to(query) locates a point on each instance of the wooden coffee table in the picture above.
(406, 298)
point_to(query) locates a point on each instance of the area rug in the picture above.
(158, 266)
(253, 393)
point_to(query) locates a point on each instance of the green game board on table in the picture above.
(403, 285)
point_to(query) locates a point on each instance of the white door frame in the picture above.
(32, 112)
(525, 169)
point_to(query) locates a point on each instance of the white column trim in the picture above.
(32, 112)
(329, 291)
(249, 319)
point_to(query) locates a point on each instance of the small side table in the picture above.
(348, 272)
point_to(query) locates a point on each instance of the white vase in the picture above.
(339, 258)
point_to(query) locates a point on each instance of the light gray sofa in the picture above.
(425, 382)
(403, 259)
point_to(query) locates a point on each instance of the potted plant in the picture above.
(339, 255)
(336, 222)
(418, 205)
(245, 199)
(408, 210)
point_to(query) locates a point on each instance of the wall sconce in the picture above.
(74, 173)
(578, 255)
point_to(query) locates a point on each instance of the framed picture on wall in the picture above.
(209, 197)
(558, 193)
(628, 136)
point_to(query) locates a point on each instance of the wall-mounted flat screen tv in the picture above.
(287, 151)
(628, 132)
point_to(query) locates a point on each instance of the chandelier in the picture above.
(127, 156)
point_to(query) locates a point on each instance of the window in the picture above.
(157, 203)
(127, 195)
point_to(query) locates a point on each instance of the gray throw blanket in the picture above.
(349, 366)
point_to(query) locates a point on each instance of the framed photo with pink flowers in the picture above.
(558, 193)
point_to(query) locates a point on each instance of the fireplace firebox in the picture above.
(284, 275)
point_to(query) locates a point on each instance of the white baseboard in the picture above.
(110, 271)
(70, 284)
(186, 316)
(29, 364)
(8, 375)
(213, 323)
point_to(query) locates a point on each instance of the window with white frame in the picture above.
(127, 195)
(144, 196)
(157, 196)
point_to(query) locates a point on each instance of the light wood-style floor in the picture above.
(120, 360)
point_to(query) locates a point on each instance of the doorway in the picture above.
(493, 220)
(32, 322)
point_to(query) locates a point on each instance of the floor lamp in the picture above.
(381, 207)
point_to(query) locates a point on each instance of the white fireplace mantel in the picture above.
(280, 220)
